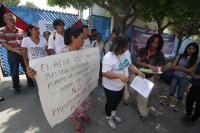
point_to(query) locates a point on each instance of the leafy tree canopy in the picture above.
(175, 11)
(110, 5)
(10, 2)
(30, 4)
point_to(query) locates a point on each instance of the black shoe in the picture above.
(125, 103)
(31, 85)
(143, 118)
(2, 99)
(17, 91)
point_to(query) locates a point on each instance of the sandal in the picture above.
(80, 129)
(86, 119)
(164, 104)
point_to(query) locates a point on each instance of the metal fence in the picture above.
(33, 15)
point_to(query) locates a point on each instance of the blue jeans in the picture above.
(181, 83)
(14, 59)
(35, 83)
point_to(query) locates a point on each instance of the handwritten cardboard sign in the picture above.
(65, 80)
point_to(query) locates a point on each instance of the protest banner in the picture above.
(141, 35)
(65, 80)
(45, 26)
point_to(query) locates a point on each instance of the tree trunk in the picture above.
(180, 40)
(160, 28)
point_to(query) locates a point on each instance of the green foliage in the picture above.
(190, 28)
(10, 2)
(30, 4)
(110, 5)
(74, 3)
(175, 11)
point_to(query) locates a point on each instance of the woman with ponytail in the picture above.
(115, 70)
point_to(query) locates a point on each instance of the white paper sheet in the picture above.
(142, 86)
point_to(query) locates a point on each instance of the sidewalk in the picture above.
(22, 112)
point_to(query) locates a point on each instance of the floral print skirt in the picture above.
(81, 110)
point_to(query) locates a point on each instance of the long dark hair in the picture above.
(29, 27)
(121, 42)
(194, 56)
(71, 32)
(152, 38)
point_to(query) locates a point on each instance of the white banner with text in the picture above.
(65, 80)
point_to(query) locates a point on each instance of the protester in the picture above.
(100, 44)
(108, 44)
(56, 40)
(183, 65)
(33, 46)
(2, 99)
(115, 75)
(87, 43)
(108, 37)
(10, 38)
(93, 35)
(74, 39)
(193, 96)
(46, 35)
(149, 57)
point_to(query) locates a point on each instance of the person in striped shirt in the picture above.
(10, 38)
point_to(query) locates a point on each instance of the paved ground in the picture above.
(23, 113)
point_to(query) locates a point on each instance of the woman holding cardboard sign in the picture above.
(73, 38)
(115, 76)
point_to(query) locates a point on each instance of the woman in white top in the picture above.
(113, 77)
(33, 46)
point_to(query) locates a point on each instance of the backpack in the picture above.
(167, 75)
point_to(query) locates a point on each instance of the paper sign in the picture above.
(45, 26)
(65, 80)
(142, 86)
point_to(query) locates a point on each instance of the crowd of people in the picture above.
(114, 69)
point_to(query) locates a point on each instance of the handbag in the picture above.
(167, 75)
(126, 93)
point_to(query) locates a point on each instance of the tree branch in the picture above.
(131, 22)
(127, 16)
(103, 5)
(168, 24)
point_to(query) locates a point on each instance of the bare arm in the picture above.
(111, 75)
(51, 51)
(25, 56)
(186, 70)
(140, 63)
(48, 52)
(8, 47)
(135, 70)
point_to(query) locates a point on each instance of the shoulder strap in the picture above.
(94, 44)
(121, 64)
(54, 36)
(122, 67)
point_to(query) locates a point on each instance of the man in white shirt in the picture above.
(99, 43)
(108, 44)
(56, 40)
(87, 43)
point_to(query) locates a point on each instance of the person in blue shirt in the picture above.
(193, 89)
